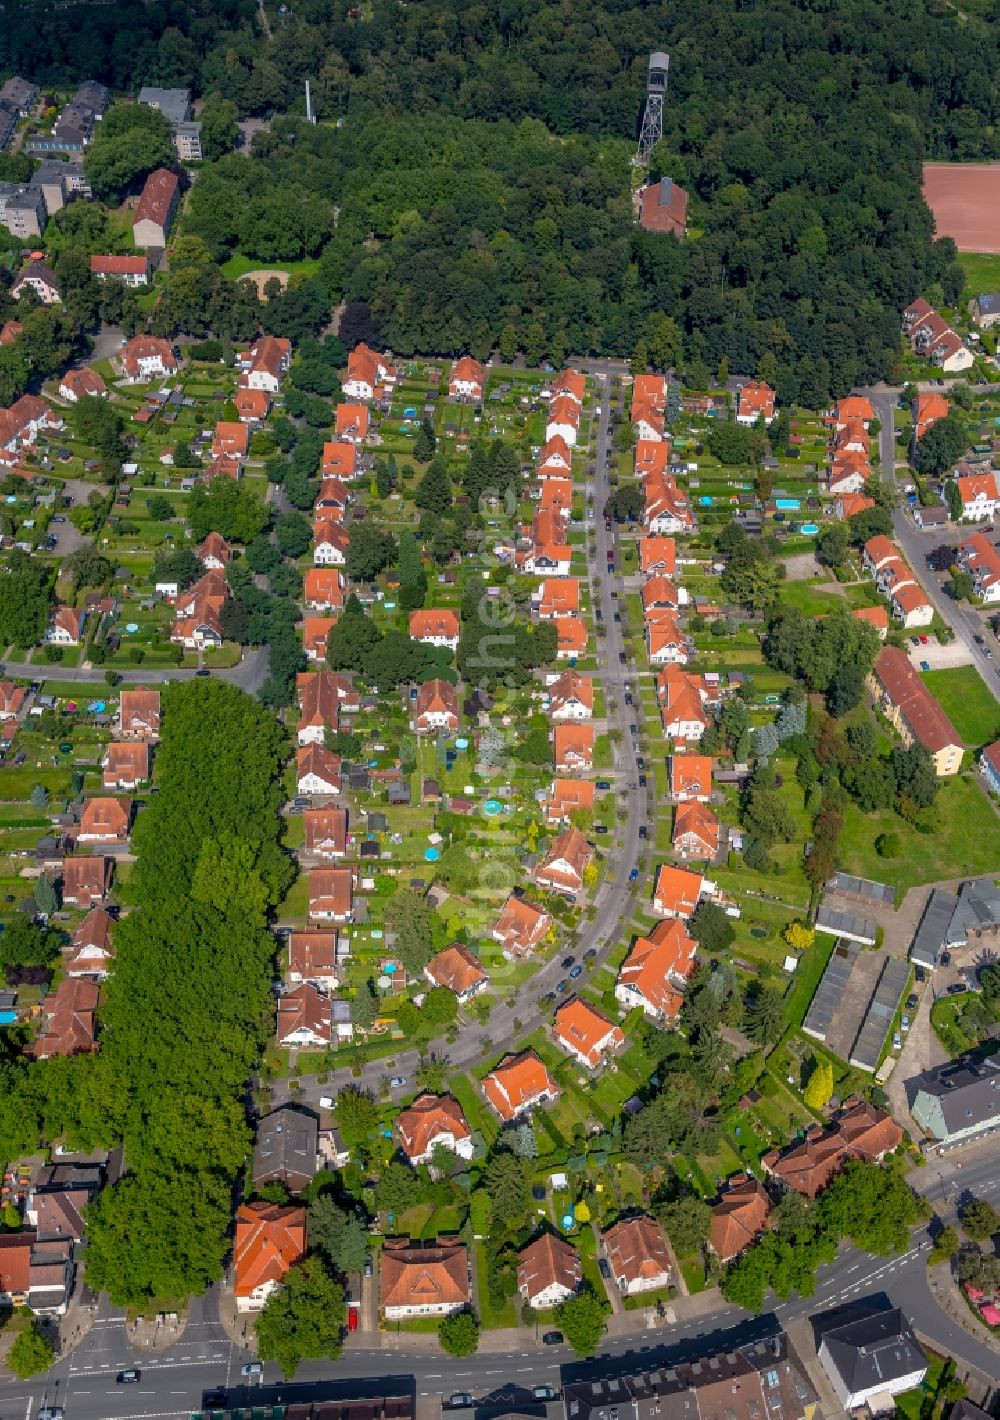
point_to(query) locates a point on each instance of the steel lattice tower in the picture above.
(652, 119)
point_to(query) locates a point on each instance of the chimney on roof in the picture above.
(666, 191)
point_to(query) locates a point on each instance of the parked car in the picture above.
(642, 781)
(912, 1001)
(604, 783)
(621, 658)
(897, 1041)
(397, 1081)
(51, 1412)
(130, 1377)
(543, 1392)
(353, 1317)
(925, 665)
(590, 953)
(600, 828)
(326, 1101)
(946, 958)
(633, 876)
(618, 616)
(567, 962)
(562, 986)
(957, 988)
(368, 1266)
(252, 1368)
(576, 972)
(461, 1400)
(548, 998)
(920, 974)
(553, 1338)
(904, 1024)
(604, 1268)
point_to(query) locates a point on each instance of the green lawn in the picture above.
(982, 272)
(967, 702)
(238, 265)
(965, 841)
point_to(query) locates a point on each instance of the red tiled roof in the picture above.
(427, 1119)
(457, 968)
(637, 1250)
(424, 1274)
(582, 1029)
(270, 1238)
(516, 1082)
(157, 196)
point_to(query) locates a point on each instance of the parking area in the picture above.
(935, 657)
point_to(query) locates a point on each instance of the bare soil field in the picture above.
(965, 201)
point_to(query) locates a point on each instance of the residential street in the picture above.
(508, 1024)
(964, 620)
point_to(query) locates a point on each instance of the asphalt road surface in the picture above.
(966, 621)
(508, 1024)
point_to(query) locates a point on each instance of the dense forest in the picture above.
(476, 194)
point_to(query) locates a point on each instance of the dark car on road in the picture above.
(564, 986)
(576, 972)
(130, 1377)
(567, 962)
(553, 1338)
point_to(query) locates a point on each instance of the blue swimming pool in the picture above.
(492, 807)
(789, 504)
(810, 529)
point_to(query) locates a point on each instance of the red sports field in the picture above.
(965, 201)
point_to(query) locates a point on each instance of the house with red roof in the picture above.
(980, 495)
(369, 375)
(459, 970)
(678, 891)
(586, 1033)
(12, 698)
(875, 616)
(312, 957)
(66, 626)
(682, 710)
(548, 1271)
(755, 401)
(252, 406)
(325, 832)
(436, 708)
(567, 796)
(317, 770)
(657, 556)
(639, 1255)
(105, 821)
(663, 208)
(697, 832)
(573, 747)
(521, 927)
(556, 459)
(565, 864)
(199, 610)
(315, 630)
(264, 364)
(86, 882)
(305, 1018)
(927, 410)
(911, 708)
(330, 543)
(322, 589)
(433, 1122)
(519, 1084)
(572, 638)
(146, 357)
(126, 765)
(556, 498)
(656, 970)
(571, 697)
(155, 212)
(69, 1024)
(270, 1239)
(558, 596)
(231, 439)
(436, 627)
(91, 952)
(739, 1217)
(129, 270)
(989, 765)
(331, 894)
(563, 419)
(214, 553)
(849, 505)
(82, 384)
(690, 778)
(352, 423)
(666, 643)
(667, 509)
(423, 1279)
(467, 379)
